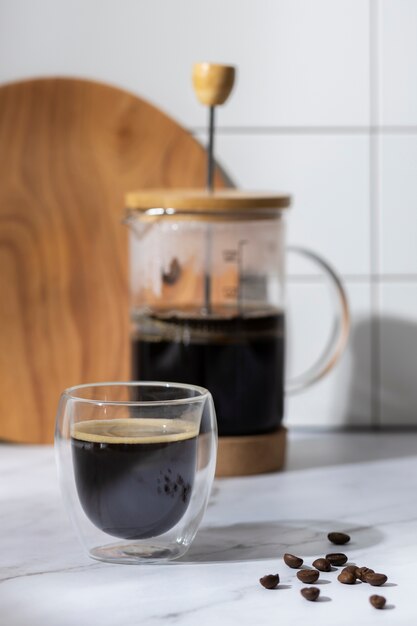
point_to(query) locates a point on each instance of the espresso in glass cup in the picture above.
(136, 464)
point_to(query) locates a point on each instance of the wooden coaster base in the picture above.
(253, 454)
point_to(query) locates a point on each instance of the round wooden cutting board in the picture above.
(69, 150)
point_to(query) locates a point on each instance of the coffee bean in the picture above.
(338, 538)
(310, 593)
(361, 572)
(377, 601)
(293, 561)
(350, 568)
(308, 576)
(347, 578)
(322, 564)
(270, 581)
(337, 558)
(375, 579)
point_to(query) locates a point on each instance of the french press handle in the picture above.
(340, 331)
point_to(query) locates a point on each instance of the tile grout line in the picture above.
(308, 130)
(374, 203)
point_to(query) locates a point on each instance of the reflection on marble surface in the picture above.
(46, 579)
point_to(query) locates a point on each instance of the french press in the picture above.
(207, 275)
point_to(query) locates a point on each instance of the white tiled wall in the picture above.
(396, 230)
(286, 52)
(398, 62)
(398, 333)
(328, 176)
(398, 168)
(325, 107)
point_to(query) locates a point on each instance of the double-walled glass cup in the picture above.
(136, 463)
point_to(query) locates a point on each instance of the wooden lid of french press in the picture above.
(202, 200)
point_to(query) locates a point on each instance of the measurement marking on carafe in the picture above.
(230, 256)
(240, 247)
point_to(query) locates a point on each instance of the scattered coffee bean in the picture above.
(322, 564)
(350, 568)
(338, 538)
(347, 578)
(310, 593)
(377, 601)
(337, 558)
(270, 581)
(374, 579)
(361, 572)
(308, 576)
(293, 561)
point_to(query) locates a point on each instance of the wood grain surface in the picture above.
(69, 150)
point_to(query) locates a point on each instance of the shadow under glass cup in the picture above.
(136, 463)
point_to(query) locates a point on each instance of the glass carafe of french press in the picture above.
(208, 308)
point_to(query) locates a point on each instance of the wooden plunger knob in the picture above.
(213, 83)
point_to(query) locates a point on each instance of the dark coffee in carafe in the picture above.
(238, 357)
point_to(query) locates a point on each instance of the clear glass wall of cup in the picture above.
(207, 276)
(136, 463)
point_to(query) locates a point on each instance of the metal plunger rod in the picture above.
(210, 188)
(212, 85)
(210, 151)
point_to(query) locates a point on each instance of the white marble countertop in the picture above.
(363, 483)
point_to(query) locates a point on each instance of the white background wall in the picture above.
(325, 106)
